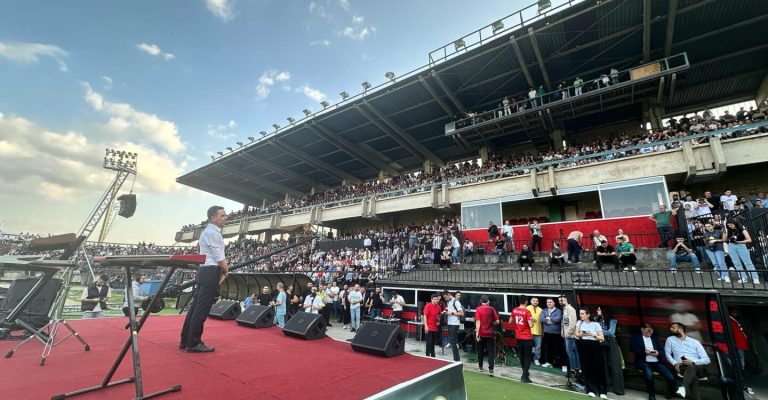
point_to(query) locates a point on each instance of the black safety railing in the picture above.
(685, 278)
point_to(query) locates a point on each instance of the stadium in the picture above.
(517, 163)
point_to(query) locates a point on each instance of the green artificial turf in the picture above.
(481, 387)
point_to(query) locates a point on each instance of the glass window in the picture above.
(477, 216)
(630, 201)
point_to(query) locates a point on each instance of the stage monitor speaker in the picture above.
(377, 338)
(127, 205)
(257, 316)
(305, 326)
(225, 309)
(37, 311)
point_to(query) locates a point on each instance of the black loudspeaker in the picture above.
(257, 316)
(37, 311)
(305, 326)
(385, 340)
(127, 205)
(535, 192)
(225, 309)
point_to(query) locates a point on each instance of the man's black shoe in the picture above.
(651, 397)
(525, 380)
(352, 330)
(182, 346)
(200, 348)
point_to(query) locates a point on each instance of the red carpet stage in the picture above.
(247, 364)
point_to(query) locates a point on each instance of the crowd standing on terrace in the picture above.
(617, 146)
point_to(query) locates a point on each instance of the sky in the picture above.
(177, 81)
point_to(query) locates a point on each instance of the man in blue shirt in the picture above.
(688, 357)
(209, 276)
(279, 304)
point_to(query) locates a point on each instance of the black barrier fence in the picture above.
(567, 278)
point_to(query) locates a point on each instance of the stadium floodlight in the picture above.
(344, 95)
(390, 76)
(291, 120)
(459, 44)
(263, 133)
(212, 157)
(325, 104)
(307, 112)
(220, 153)
(120, 160)
(544, 4)
(276, 126)
(239, 144)
(497, 26)
(229, 148)
(366, 85)
(252, 139)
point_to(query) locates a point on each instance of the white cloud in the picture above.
(126, 121)
(356, 19)
(222, 131)
(311, 93)
(344, 4)
(324, 43)
(358, 32)
(268, 79)
(31, 52)
(107, 82)
(222, 9)
(155, 50)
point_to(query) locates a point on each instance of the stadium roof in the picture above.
(397, 126)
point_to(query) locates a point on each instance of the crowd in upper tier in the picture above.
(610, 147)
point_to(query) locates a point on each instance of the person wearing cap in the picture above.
(605, 253)
(486, 318)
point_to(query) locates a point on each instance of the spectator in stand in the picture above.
(265, 297)
(574, 246)
(614, 76)
(509, 235)
(620, 234)
(738, 239)
(663, 224)
(455, 249)
(590, 336)
(532, 97)
(525, 259)
(493, 231)
(431, 314)
(499, 247)
(469, 250)
(553, 342)
(523, 321)
(445, 259)
(486, 318)
(535, 227)
(437, 248)
(688, 357)
(728, 200)
(556, 256)
(698, 242)
(605, 253)
(739, 337)
(626, 253)
(568, 332)
(682, 252)
(647, 348)
(577, 86)
(715, 250)
(713, 202)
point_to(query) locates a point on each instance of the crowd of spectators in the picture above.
(610, 147)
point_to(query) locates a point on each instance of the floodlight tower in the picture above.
(124, 163)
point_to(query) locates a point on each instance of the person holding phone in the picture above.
(688, 357)
(646, 346)
(590, 336)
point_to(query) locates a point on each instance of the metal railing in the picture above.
(569, 278)
(588, 88)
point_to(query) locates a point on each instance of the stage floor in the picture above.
(247, 364)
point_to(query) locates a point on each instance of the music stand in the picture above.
(129, 263)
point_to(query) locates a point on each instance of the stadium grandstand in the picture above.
(560, 151)
(587, 118)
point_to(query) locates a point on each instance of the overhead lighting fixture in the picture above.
(290, 120)
(497, 26)
(307, 112)
(344, 95)
(252, 139)
(390, 76)
(212, 157)
(220, 153)
(276, 126)
(239, 144)
(366, 85)
(544, 4)
(325, 104)
(263, 133)
(229, 148)
(459, 44)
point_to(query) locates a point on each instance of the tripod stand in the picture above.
(49, 339)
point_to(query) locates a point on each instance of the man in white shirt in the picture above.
(688, 357)
(397, 302)
(455, 249)
(313, 303)
(728, 199)
(469, 249)
(509, 235)
(454, 311)
(355, 298)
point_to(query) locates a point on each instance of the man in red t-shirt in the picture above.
(742, 345)
(432, 313)
(486, 318)
(522, 320)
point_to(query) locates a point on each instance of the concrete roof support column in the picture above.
(762, 93)
(449, 93)
(646, 30)
(484, 154)
(670, 28)
(521, 61)
(427, 166)
(539, 59)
